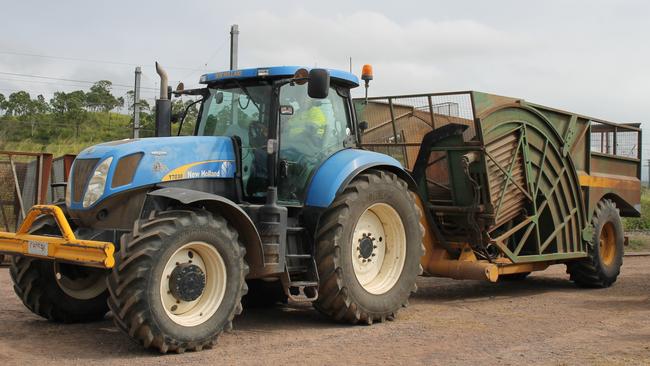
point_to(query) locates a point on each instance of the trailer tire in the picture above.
(154, 294)
(605, 255)
(348, 293)
(36, 284)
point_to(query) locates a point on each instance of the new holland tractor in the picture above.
(165, 232)
(278, 192)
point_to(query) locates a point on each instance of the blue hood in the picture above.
(163, 159)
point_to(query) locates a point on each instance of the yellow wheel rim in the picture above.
(607, 244)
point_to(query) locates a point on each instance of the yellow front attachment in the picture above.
(65, 248)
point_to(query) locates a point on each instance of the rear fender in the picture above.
(339, 169)
(229, 210)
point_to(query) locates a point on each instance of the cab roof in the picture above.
(274, 72)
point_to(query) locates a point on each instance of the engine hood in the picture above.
(162, 159)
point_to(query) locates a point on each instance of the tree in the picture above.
(99, 98)
(2, 102)
(70, 107)
(19, 104)
(130, 98)
(40, 105)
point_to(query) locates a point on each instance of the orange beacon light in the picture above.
(366, 75)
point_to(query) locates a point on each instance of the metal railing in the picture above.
(621, 140)
(397, 124)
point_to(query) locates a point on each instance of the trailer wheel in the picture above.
(59, 292)
(178, 280)
(602, 266)
(368, 249)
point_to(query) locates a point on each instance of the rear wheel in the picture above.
(178, 280)
(369, 245)
(603, 265)
(59, 292)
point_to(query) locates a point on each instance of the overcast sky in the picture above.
(591, 57)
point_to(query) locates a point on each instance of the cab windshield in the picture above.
(241, 110)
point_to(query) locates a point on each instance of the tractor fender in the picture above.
(339, 169)
(230, 211)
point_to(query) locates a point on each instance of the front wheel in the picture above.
(59, 292)
(178, 280)
(368, 247)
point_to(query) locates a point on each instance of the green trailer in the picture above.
(508, 187)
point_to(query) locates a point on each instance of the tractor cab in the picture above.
(285, 120)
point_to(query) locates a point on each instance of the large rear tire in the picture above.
(368, 249)
(178, 280)
(63, 293)
(603, 265)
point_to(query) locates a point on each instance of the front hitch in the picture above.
(66, 248)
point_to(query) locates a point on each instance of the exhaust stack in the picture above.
(163, 105)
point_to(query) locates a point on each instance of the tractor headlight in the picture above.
(97, 183)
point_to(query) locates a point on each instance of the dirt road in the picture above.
(543, 320)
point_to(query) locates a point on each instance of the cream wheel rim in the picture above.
(195, 312)
(378, 248)
(83, 287)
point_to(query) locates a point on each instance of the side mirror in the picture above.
(319, 83)
(363, 125)
(218, 98)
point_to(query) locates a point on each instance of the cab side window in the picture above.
(316, 129)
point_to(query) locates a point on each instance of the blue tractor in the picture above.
(271, 194)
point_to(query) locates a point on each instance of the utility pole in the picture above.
(136, 103)
(234, 49)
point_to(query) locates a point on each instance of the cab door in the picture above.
(311, 130)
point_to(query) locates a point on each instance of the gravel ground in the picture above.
(542, 320)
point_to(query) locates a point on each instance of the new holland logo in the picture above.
(203, 169)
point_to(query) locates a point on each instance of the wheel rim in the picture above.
(83, 284)
(607, 244)
(195, 312)
(378, 248)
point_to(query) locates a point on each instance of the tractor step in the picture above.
(300, 265)
(302, 291)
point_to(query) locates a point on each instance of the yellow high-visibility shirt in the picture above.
(313, 115)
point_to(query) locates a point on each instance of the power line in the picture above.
(62, 79)
(213, 55)
(63, 85)
(67, 58)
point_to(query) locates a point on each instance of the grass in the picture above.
(639, 242)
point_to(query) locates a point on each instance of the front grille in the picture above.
(81, 171)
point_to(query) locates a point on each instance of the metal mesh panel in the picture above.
(396, 125)
(627, 144)
(614, 140)
(24, 172)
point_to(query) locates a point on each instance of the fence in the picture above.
(616, 139)
(396, 124)
(27, 179)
